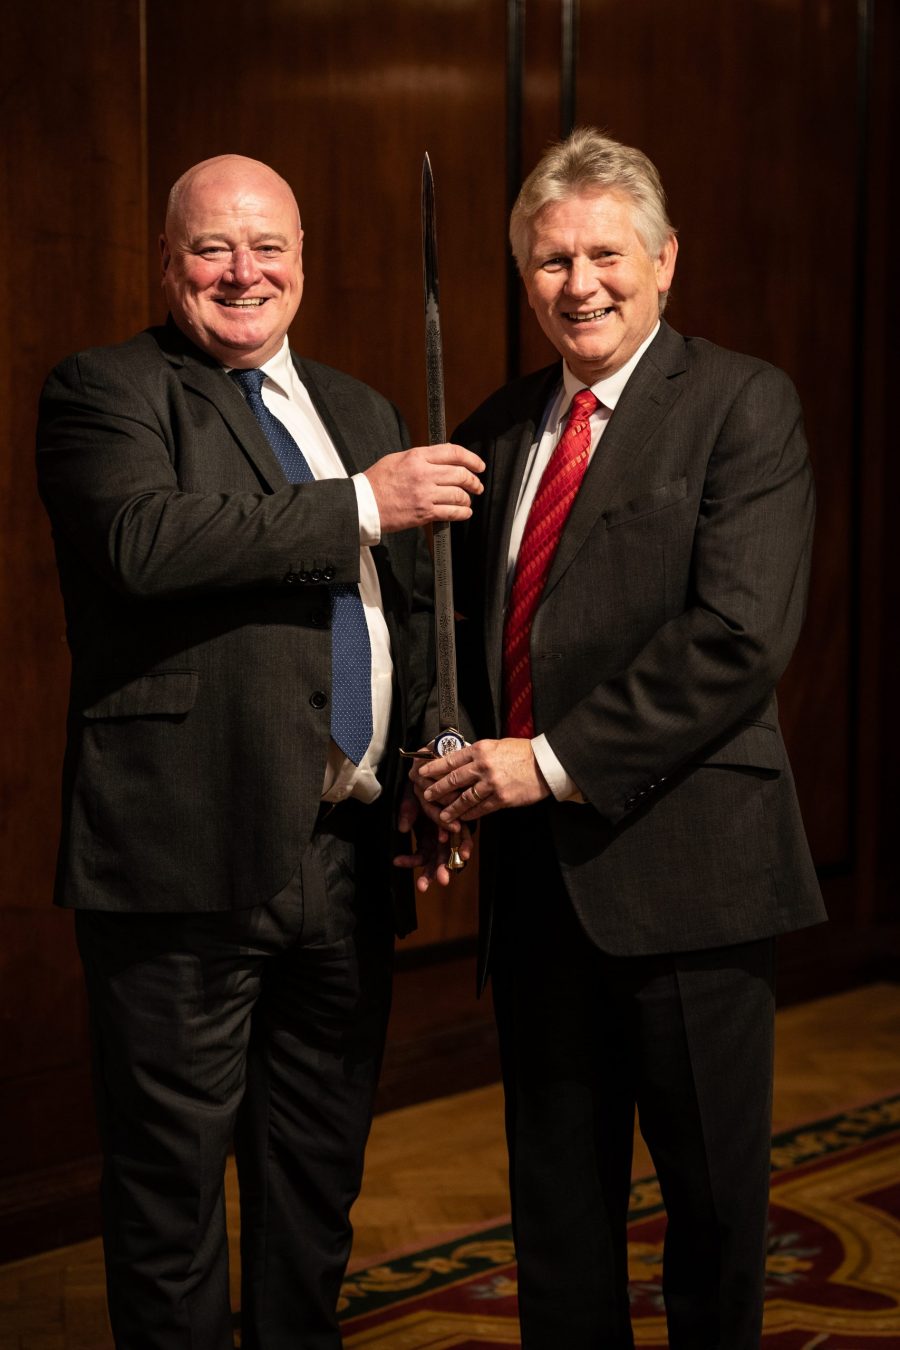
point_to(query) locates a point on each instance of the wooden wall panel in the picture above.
(73, 245)
(881, 468)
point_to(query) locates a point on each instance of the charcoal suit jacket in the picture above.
(670, 610)
(196, 590)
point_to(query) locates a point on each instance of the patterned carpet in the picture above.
(833, 1273)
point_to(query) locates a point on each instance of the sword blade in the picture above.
(444, 630)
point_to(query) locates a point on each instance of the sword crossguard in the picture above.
(443, 743)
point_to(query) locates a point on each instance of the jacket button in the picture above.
(328, 574)
(290, 579)
(302, 576)
(318, 698)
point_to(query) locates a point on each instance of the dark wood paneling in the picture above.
(73, 247)
(880, 468)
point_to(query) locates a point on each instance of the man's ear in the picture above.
(665, 264)
(165, 255)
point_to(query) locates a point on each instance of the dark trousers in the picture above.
(265, 1026)
(587, 1038)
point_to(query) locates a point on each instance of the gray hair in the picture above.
(587, 159)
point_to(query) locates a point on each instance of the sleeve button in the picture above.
(318, 698)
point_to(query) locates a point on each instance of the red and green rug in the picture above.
(833, 1275)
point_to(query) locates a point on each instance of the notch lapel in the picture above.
(205, 377)
(349, 434)
(645, 402)
(506, 464)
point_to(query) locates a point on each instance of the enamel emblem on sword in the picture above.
(449, 737)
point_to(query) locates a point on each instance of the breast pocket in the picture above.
(658, 499)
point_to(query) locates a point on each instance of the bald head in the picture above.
(243, 172)
(231, 258)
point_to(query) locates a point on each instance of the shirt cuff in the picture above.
(366, 505)
(560, 784)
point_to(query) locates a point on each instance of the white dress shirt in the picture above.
(608, 392)
(287, 398)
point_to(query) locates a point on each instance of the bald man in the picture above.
(246, 595)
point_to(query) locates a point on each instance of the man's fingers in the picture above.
(424, 484)
(439, 767)
(446, 778)
(463, 810)
(448, 453)
(409, 860)
(450, 466)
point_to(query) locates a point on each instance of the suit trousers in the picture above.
(586, 1039)
(264, 1027)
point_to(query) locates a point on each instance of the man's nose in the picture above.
(581, 279)
(244, 270)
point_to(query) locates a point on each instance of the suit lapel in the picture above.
(355, 449)
(645, 402)
(508, 455)
(206, 378)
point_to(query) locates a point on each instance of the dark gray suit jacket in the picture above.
(670, 611)
(195, 584)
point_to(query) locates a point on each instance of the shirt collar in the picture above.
(608, 390)
(279, 368)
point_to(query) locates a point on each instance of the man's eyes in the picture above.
(216, 251)
(562, 261)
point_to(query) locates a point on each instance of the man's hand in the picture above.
(433, 845)
(425, 484)
(480, 780)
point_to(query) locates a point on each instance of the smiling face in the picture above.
(591, 282)
(231, 260)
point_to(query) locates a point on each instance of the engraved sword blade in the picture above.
(444, 631)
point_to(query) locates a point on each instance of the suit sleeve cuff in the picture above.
(369, 519)
(560, 784)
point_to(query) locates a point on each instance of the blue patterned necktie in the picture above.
(351, 651)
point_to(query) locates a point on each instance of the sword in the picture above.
(448, 737)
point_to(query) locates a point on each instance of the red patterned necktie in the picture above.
(549, 511)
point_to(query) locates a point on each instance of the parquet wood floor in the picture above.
(440, 1167)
